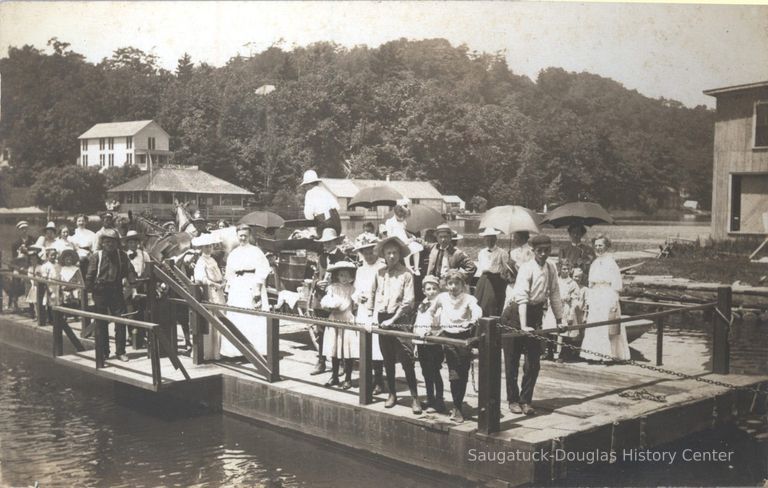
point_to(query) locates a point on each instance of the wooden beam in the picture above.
(489, 377)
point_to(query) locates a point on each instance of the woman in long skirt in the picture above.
(208, 275)
(602, 299)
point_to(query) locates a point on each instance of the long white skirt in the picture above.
(603, 304)
(364, 319)
(252, 327)
(212, 340)
(341, 343)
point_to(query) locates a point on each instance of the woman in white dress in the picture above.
(602, 299)
(208, 275)
(246, 275)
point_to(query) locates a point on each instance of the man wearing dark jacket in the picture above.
(445, 256)
(107, 268)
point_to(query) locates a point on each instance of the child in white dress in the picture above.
(340, 344)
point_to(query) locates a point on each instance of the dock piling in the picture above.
(659, 341)
(489, 377)
(273, 348)
(721, 319)
(366, 373)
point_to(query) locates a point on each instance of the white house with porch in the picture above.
(124, 143)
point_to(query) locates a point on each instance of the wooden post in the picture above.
(197, 327)
(97, 333)
(2, 279)
(273, 349)
(659, 340)
(42, 313)
(721, 327)
(154, 355)
(58, 336)
(365, 393)
(84, 321)
(489, 377)
(150, 306)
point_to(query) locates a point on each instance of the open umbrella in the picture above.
(262, 218)
(510, 219)
(375, 196)
(422, 217)
(584, 213)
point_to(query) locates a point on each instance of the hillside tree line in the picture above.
(424, 110)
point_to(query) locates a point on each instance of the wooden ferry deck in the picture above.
(578, 406)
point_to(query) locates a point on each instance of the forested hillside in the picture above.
(409, 109)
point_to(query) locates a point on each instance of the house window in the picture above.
(129, 197)
(151, 143)
(129, 142)
(761, 124)
(85, 160)
(84, 144)
(129, 158)
(749, 203)
(111, 142)
(111, 160)
(101, 144)
(101, 160)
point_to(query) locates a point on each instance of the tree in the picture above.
(478, 204)
(71, 188)
(117, 175)
(184, 68)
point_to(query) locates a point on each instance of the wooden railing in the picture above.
(157, 340)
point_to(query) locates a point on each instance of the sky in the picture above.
(662, 50)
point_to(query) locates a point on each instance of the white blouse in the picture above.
(605, 271)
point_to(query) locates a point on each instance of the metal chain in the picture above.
(632, 362)
(643, 395)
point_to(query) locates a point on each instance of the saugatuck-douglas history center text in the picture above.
(600, 456)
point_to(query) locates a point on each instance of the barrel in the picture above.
(292, 269)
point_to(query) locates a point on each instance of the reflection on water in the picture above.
(63, 428)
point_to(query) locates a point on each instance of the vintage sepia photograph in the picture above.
(383, 243)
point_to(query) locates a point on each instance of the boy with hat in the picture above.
(319, 204)
(445, 255)
(107, 268)
(393, 298)
(536, 283)
(47, 239)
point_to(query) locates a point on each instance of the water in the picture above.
(64, 428)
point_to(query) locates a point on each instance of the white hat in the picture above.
(489, 231)
(22, 224)
(50, 225)
(206, 240)
(341, 265)
(443, 228)
(329, 235)
(131, 234)
(310, 176)
(364, 241)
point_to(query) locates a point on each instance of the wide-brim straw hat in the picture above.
(338, 265)
(365, 241)
(310, 176)
(404, 251)
(50, 226)
(443, 228)
(132, 235)
(489, 231)
(206, 240)
(329, 235)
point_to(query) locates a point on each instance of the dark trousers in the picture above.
(394, 350)
(110, 302)
(334, 222)
(458, 359)
(516, 347)
(431, 359)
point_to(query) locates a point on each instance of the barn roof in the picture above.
(452, 199)
(344, 188)
(116, 129)
(182, 181)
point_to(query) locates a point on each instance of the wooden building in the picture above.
(124, 143)
(740, 174)
(416, 191)
(157, 191)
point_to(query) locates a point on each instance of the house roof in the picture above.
(182, 181)
(735, 88)
(452, 199)
(115, 129)
(21, 211)
(343, 188)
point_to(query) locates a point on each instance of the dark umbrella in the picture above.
(422, 217)
(584, 213)
(375, 196)
(262, 218)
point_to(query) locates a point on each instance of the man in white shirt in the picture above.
(320, 205)
(536, 283)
